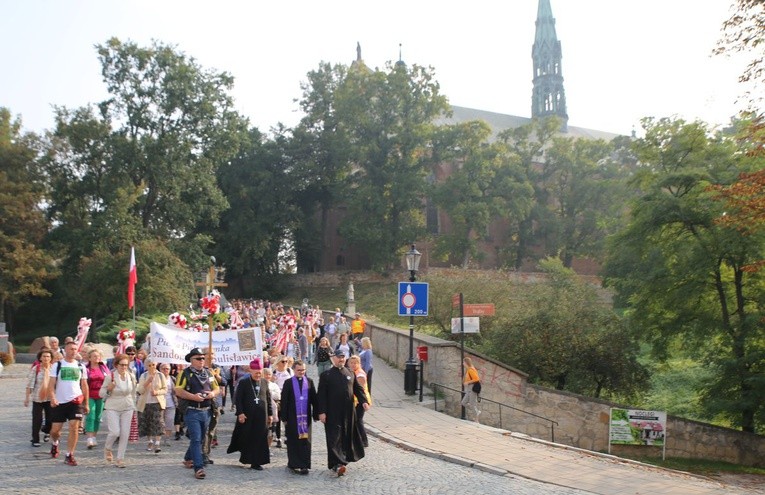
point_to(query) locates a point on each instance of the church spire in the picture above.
(548, 96)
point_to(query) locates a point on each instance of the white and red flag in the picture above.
(132, 279)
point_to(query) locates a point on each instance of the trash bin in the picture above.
(422, 352)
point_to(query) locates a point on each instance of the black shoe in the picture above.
(46, 438)
(177, 435)
(304, 471)
(257, 467)
(208, 460)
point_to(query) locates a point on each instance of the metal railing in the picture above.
(436, 386)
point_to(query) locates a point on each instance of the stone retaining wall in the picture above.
(581, 421)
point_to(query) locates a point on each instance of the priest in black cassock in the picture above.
(298, 406)
(253, 417)
(337, 387)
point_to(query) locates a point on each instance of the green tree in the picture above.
(527, 144)
(165, 283)
(586, 197)
(484, 184)
(388, 117)
(682, 273)
(140, 165)
(252, 233)
(564, 336)
(24, 265)
(320, 145)
(176, 124)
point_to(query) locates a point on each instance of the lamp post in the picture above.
(410, 373)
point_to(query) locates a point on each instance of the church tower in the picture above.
(548, 97)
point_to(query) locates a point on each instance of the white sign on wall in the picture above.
(471, 324)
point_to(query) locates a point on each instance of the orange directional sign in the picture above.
(478, 309)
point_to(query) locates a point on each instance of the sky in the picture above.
(622, 60)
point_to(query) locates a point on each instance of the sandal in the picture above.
(188, 464)
(108, 455)
(200, 474)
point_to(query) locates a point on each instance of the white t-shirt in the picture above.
(67, 380)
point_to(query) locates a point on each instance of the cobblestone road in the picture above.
(385, 470)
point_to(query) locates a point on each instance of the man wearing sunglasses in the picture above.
(198, 387)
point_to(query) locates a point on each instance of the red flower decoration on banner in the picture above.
(177, 319)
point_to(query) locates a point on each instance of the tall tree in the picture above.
(143, 163)
(683, 274)
(586, 197)
(527, 144)
(252, 233)
(388, 117)
(24, 265)
(321, 162)
(175, 125)
(483, 184)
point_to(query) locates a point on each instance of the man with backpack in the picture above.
(197, 388)
(69, 394)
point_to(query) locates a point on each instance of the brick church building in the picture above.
(548, 98)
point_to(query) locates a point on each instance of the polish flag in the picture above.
(132, 279)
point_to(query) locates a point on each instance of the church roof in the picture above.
(500, 121)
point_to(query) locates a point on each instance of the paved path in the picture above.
(402, 421)
(387, 469)
(413, 450)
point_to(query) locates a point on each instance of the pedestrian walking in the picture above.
(97, 371)
(254, 414)
(119, 392)
(198, 387)
(68, 392)
(299, 405)
(337, 388)
(37, 391)
(472, 385)
(152, 387)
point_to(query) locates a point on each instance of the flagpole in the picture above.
(132, 281)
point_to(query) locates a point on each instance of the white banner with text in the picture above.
(230, 347)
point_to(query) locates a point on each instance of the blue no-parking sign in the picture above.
(412, 299)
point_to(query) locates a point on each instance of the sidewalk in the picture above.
(401, 420)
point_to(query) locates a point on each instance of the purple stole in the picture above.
(301, 406)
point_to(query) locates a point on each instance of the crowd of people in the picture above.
(272, 398)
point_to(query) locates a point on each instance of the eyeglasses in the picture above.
(198, 359)
(122, 364)
(130, 353)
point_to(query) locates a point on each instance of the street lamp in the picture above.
(412, 258)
